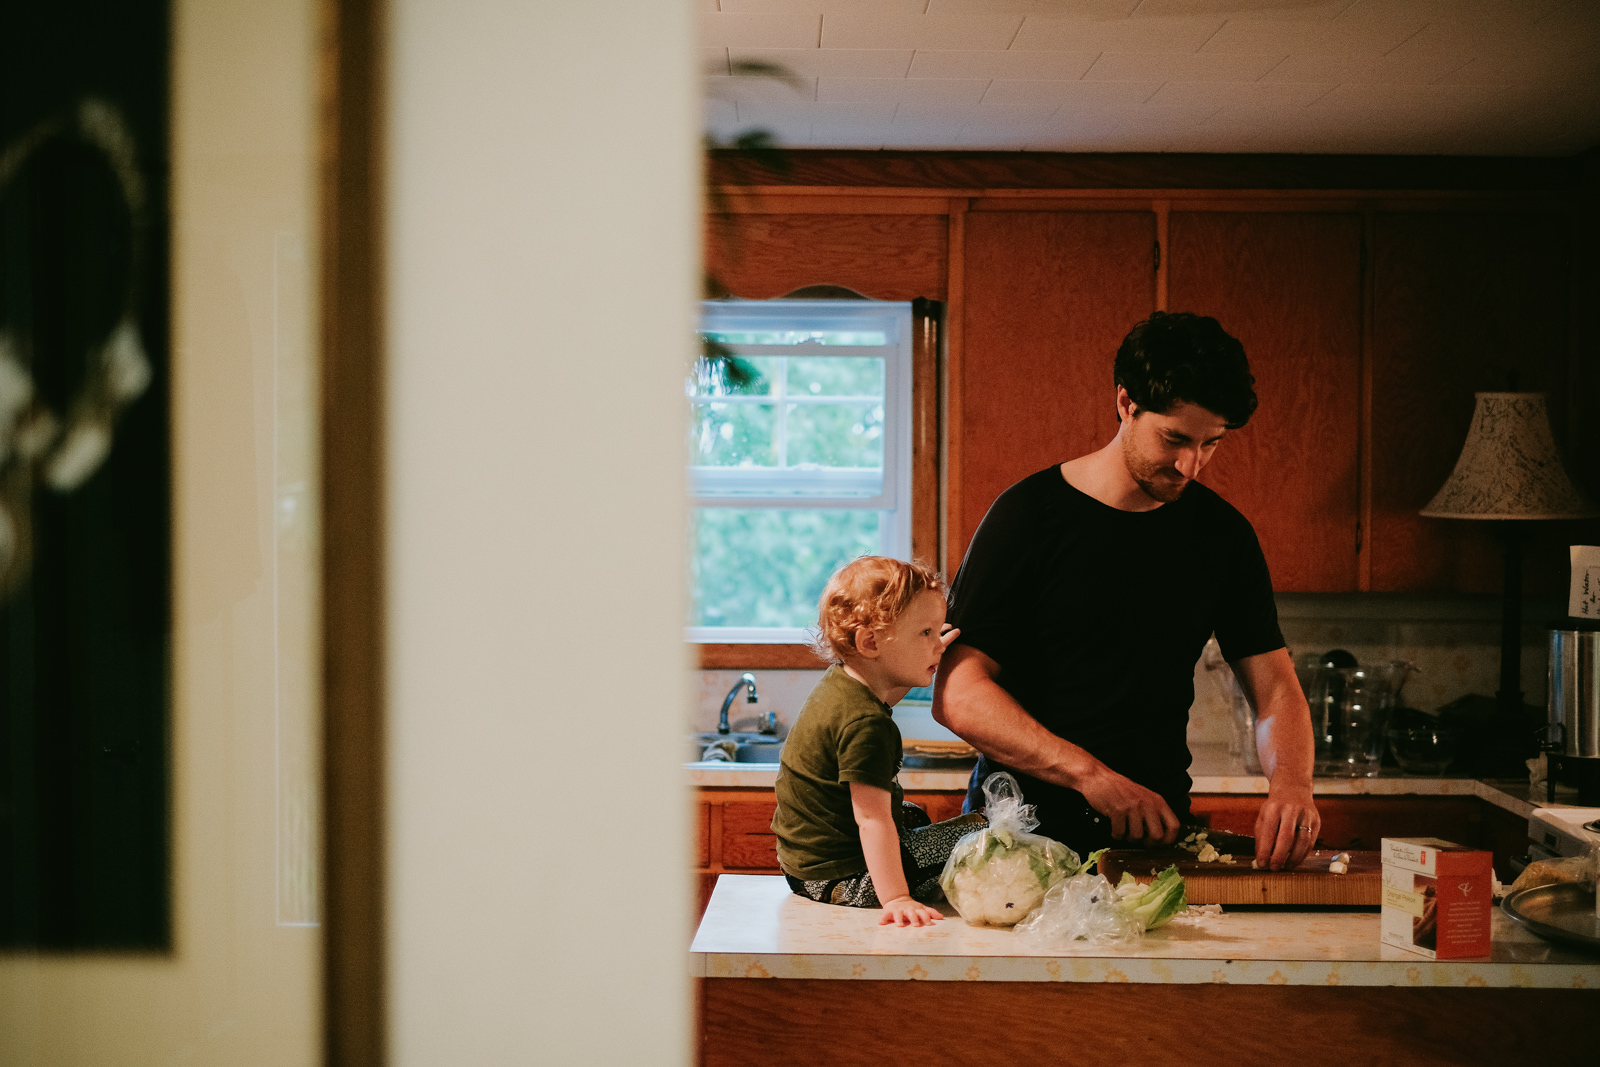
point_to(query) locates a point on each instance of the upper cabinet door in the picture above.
(1288, 286)
(1048, 297)
(1461, 301)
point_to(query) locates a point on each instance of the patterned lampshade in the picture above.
(1509, 467)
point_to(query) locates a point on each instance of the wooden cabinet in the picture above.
(701, 823)
(1048, 297)
(1288, 286)
(1368, 331)
(746, 840)
(743, 1021)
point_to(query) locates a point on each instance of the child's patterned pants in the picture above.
(923, 852)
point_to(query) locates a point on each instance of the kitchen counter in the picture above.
(1242, 986)
(1213, 771)
(755, 927)
(1308, 987)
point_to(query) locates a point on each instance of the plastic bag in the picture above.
(1081, 908)
(997, 875)
(1087, 907)
(1580, 869)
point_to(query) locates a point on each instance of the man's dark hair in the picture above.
(1174, 357)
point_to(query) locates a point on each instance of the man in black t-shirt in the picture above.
(1086, 597)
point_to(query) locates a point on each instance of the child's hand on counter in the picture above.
(904, 911)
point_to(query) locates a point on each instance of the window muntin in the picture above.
(803, 468)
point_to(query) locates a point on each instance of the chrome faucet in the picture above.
(747, 682)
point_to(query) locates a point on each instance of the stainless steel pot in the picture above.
(1574, 688)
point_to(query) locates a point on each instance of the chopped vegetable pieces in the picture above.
(1204, 850)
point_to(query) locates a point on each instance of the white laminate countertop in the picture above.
(718, 775)
(754, 927)
(1213, 771)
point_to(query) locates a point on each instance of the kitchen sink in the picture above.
(749, 748)
(758, 752)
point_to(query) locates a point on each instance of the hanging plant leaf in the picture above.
(719, 372)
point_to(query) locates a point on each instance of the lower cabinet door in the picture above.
(747, 841)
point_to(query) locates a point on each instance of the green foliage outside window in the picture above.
(767, 566)
(841, 427)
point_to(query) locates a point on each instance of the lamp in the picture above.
(1509, 470)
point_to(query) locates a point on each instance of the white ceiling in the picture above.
(1461, 77)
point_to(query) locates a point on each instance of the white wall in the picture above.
(241, 985)
(542, 248)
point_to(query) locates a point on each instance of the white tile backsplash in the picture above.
(782, 692)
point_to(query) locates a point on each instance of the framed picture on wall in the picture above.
(85, 501)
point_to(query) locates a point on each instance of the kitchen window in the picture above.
(799, 464)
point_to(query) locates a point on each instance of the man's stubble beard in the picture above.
(1147, 476)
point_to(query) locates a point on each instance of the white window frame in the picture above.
(734, 487)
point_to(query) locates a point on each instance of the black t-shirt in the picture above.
(1097, 617)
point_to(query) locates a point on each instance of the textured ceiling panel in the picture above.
(1484, 77)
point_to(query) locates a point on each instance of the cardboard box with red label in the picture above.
(1437, 897)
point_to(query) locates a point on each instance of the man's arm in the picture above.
(1288, 824)
(969, 700)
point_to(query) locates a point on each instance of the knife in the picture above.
(1221, 840)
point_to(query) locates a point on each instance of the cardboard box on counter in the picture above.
(1437, 897)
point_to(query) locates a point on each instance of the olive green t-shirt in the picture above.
(844, 734)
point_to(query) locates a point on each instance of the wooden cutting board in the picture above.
(1308, 885)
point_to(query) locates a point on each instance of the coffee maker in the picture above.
(1572, 733)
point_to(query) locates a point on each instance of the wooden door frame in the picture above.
(351, 95)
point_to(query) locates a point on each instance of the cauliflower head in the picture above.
(996, 877)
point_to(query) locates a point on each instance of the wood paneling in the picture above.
(747, 1021)
(1288, 286)
(705, 883)
(925, 432)
(951, 412)
(1132, 170)
(747, 839)
(757, 657)
(887, 257)
(1048, 298)
(355, 970)
(939, 806)
(830, 202)
(1461, 302)
(702, 834)
(1362, 822)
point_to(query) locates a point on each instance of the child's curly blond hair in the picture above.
(867, 594)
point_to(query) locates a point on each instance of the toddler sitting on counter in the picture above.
(845, 833)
